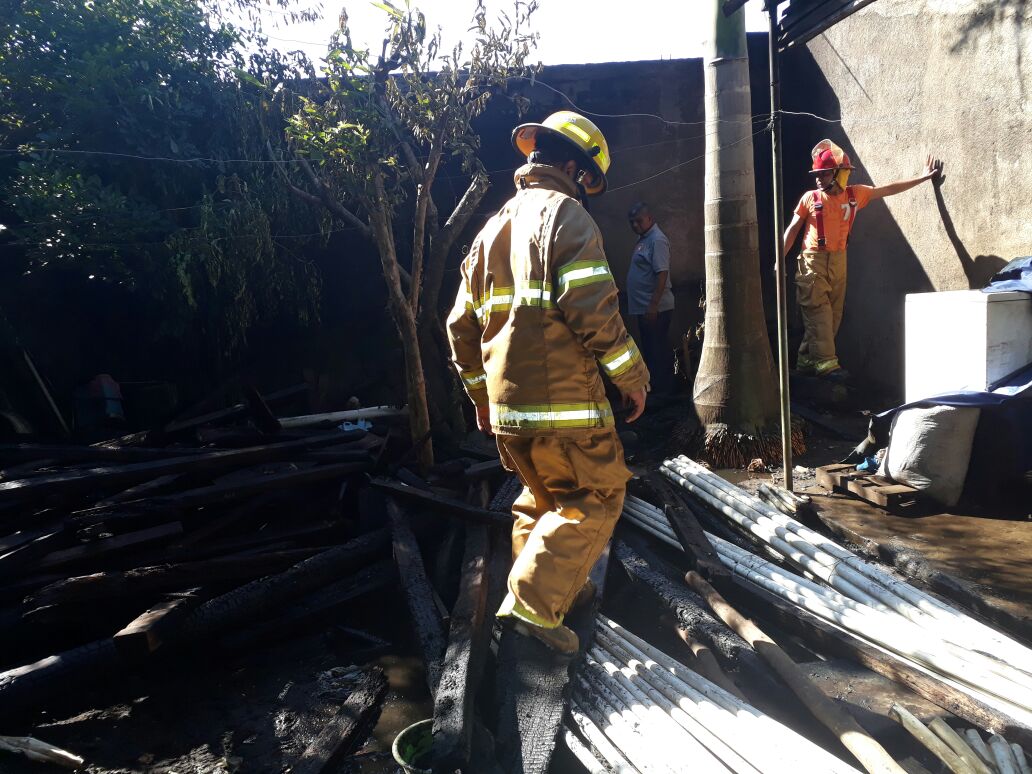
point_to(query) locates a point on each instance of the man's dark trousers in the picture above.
(655, 348)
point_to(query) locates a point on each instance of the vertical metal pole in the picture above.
(779, 252)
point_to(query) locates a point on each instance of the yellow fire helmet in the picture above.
(578, 130)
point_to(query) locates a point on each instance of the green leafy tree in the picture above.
(133, 150)
(370, 145)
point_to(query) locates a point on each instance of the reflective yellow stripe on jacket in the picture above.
(579, 273)
(501, 299)
(474, 380)
(622, 360)
(551, 416)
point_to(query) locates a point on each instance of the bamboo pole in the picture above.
(958, 745)
(938, 748)
(1003, 755)
(978, 745)
(871, 755)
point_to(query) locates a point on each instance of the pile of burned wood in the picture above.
(234, 528)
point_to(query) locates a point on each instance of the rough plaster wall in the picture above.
(908, 78)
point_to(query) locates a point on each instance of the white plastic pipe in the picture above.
(954, 624)
(615, 760)
(623, 733)
(896, 633)
(672, 743)
(736, 722)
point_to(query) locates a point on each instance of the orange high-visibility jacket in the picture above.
(537, 313)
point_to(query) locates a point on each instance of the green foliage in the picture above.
(136, 125)
(412, 97)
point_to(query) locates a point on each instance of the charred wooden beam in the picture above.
(211, 462)
(260, 412)
(532, 688)
(15, 453)
(101, 549)
(34, 683)
(426, 621)
(164, 578)
(349, 728)
(217, 493)
(315, 607)
(649, 572)
(450, 505)
(688, 530)
(257, 598)
(145, 634)
(464, 658)
(236, 411)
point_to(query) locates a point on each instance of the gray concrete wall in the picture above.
(907, 78)
(657, 161)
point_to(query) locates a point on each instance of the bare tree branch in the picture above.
(423, 199)
(330, 202)
(441, 243)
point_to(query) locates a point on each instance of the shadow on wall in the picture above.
(883, 267)
(979, 269)
(996, 13)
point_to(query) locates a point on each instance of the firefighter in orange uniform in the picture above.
(535, 318)
(828, 214)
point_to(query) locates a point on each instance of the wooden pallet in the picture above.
(874, 489)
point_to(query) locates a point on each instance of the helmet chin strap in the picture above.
(582, 194)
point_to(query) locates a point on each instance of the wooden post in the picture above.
(349, 727)
(418, 594)
(464, 659)
(872, 756)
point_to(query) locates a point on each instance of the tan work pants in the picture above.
(821, 293)
(573, 493)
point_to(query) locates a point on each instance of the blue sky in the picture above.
(571, 32)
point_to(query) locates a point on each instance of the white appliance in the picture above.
(964, 340)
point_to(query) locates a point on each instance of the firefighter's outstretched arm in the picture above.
(933, 171)
(464, 337)
(587, 296)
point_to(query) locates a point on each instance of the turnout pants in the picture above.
(573, 493)
(821, 293)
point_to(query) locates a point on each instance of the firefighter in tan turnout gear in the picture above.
(535, 319)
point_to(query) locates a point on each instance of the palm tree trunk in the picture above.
(735, 388)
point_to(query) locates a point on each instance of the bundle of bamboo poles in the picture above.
(640, 710)
(863, 598)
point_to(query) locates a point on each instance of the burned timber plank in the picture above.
(102, 548)
(34, 683)
(688, 530)
(166, 577)
(449, 505)
(211, 462)
(464, 658)
(647, 571)
(533, 689)
(346, 731)
(418, 594)
(144, 634)
(316, 607)
(216, 493)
